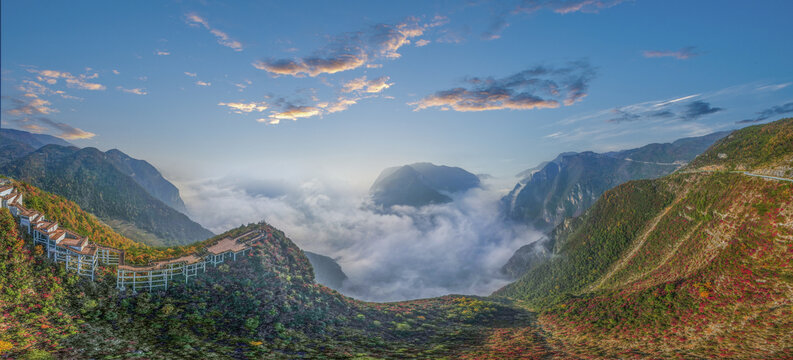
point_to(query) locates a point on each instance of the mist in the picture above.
(407, 253)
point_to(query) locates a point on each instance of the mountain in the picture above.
(15, 144)
(263, 305)
(691, 265)
(571, 183)
(31, 139)
(326, 270)
(420, 184)
(91, 179)
(148, 177)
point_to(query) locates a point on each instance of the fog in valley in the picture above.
(405, 253)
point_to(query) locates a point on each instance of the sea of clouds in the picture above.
(406, 253)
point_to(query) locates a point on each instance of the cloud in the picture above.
(202, 83)
(534, 88)
(369, 86)
(623, 116)
(497, 26)
(136, 91)
(116, 72)
(566, 6)
(675, 108)
(422, 42)
(505, 9)
(682, 54)
(296, 112)
(190, 74)
(59, 129)
(350, 50)
(340, 105)
(407, 254)
(696, 109)
(770, 112)
(223, 38)
(163, 53)
(242, 85)
(240, 107)
(79, 82)
(30, 105)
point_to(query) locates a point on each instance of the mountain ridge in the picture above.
(87, 177)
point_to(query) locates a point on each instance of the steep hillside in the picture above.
(572, 182)
(16, 144)
(326, 270)
(420, 184)
(695, 264)
(147, 177)
(265, 305)
(87, 177)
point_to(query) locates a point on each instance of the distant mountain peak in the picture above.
(420, 184)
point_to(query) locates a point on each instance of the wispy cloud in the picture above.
(242, 85)
(241, 107)
(534, 88)
(682, 54)
(162, 53)
(370, 86)
(79, 82)
(136, 91)
(422, 42)
(677, 108)
(770, 112)
(351, 50)
(203, 83)
(29, 105)
(566, 6)
(190, 74)
(40, 124)
(505, 9)
(116, 72)
(223, 39)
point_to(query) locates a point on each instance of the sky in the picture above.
(288, 111)
(492, 86)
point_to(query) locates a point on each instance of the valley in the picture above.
(700, 255)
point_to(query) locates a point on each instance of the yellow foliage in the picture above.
(256, 343)
(5, 346)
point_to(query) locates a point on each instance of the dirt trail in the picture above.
(620, 264)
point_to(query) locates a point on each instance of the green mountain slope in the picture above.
(571, 183)
(16, 144)
(673, 267)
(265, 305)
(93, 182)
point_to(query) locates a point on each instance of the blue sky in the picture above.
(495, 87)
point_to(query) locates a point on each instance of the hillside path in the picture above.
(637, 245)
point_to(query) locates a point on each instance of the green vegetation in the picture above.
(751, 147)
(606, 231)
(263, 306)
(89, 178)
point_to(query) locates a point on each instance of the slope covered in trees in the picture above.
(90, 178)
(692, 265)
